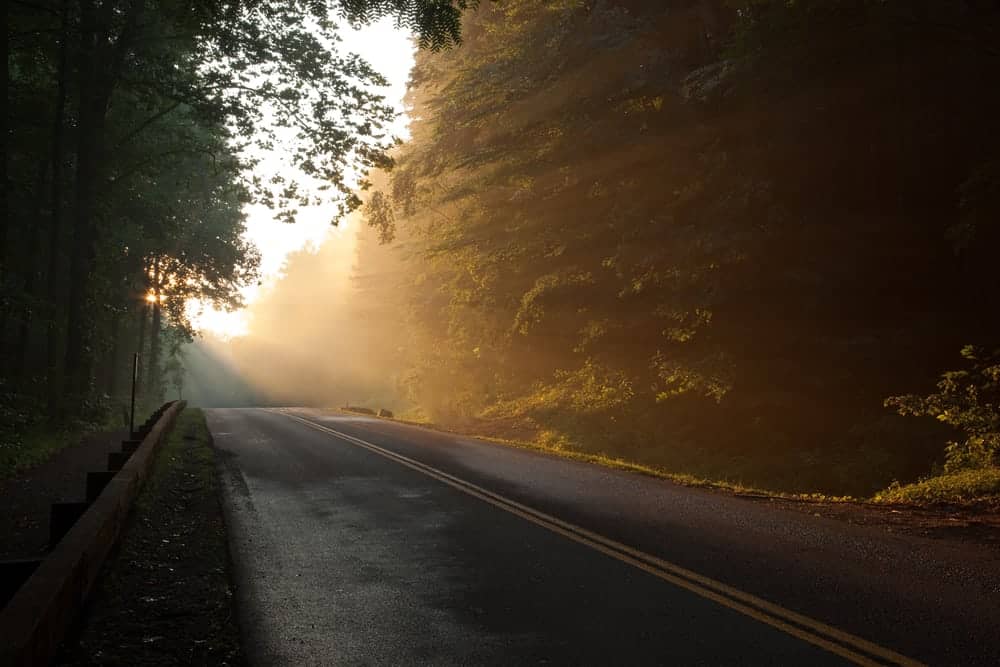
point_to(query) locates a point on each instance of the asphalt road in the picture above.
(362, 541)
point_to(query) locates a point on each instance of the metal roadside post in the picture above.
(131, 414)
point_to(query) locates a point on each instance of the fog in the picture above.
(315, 337)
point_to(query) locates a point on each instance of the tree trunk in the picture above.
(100, 62)
(32, 261)
(142, 343)
(111, 373)
(153, 369)
(92, 111)
(82, 258)
(55, 221)
(4, 222)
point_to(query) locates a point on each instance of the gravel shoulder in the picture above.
(165, 597)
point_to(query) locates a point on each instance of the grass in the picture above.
(190, 425)
(960, 487)
(558, 447)
(165, 597)
(38, 442)
(33, 447)
(957, 487)
(684, 479)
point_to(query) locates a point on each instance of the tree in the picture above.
(734, 228)
(969, 401)
(137, 125)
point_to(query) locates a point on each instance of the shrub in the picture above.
(964, 485)
(968, 400)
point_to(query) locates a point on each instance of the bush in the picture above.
(968, 400)
(18, 412)
(959, 486)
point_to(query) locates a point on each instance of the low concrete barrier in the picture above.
(37, 618)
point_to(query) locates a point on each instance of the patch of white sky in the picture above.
(389, 50)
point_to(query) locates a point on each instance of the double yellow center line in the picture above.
(843, 644)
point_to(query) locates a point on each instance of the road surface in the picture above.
(361, 541)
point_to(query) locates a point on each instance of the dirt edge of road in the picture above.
(166, 596)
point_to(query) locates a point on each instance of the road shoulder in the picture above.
(166, 596)
(974, 522)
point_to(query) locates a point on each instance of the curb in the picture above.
(37, 618)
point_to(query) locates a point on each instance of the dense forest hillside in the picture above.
(707, 238)
(134, 134)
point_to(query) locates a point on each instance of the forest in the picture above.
(748, 241)
(132, 132)
(742, 241)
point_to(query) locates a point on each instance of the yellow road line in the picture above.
(848, 646)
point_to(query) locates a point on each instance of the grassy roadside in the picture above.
(653, 471)
(25, 447)
(969, 487)
(35, 446)
(618, 463)
(964, 486)
(165, 597)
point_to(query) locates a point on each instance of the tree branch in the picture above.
(146, 123)
(127, 172)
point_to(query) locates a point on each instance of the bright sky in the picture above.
(390, 52)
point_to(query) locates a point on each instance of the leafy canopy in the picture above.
(969, 400)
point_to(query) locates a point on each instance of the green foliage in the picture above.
(274, 74)
(174, 374)
(29, 447)
(957, 486)
(379, 213)
(980, 206)
(588, 390)
(136, 136)
(437, 23)
(652, 231)
(17, 414)
(677, 379)
(969, 401)
(476, 198)
(28, 437)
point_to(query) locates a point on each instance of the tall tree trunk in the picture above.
(111, 374)
(90, 130)
(153, 369)
(4, 225)
(32, 261)
(140, 375)
(100, 63)
(5, 212)
(52, 328)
